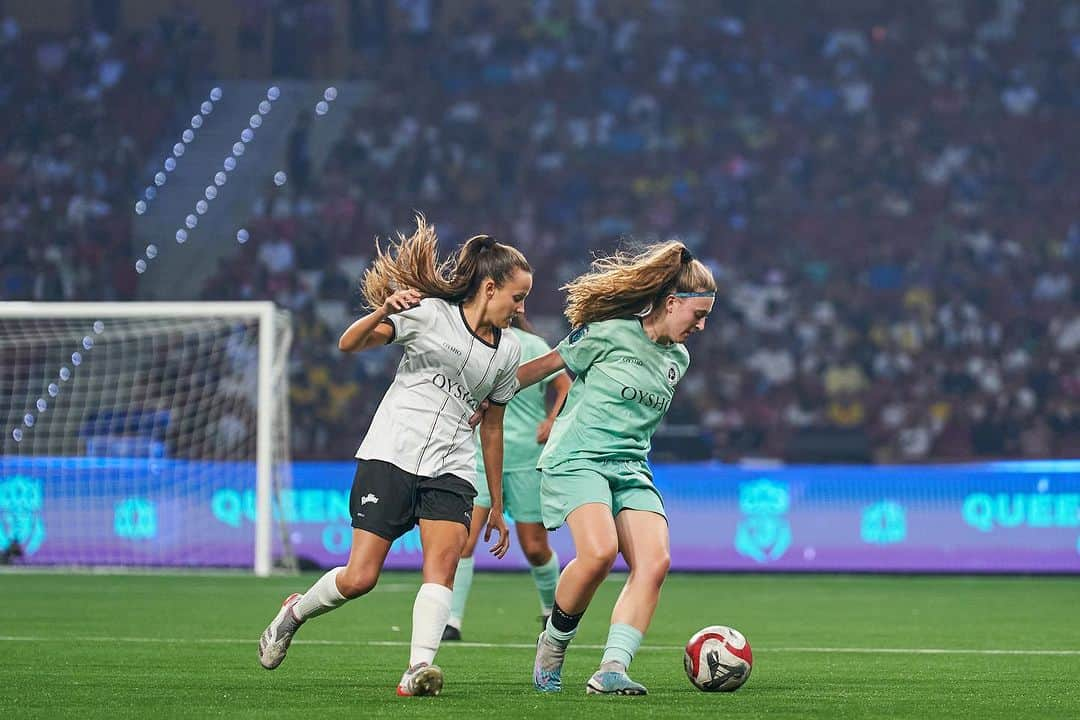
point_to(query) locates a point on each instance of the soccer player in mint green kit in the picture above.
(631, 315)
(527, 424)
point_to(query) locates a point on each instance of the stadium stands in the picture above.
(886, 191)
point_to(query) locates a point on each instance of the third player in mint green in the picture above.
(527, 423)
(631, 315)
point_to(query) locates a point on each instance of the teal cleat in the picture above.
(613, 682)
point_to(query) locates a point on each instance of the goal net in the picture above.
(145, 434)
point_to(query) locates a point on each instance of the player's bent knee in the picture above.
(439, 576)
(663, 565)
(469, 549)
(535, 547)
(471, 541)
(537, 555)
(598, 559)
(654, 569)
(442, 557)
(355, 584)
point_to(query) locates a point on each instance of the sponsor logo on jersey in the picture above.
(455, 389)
(644, 397)
(369, 498)
(577, 334)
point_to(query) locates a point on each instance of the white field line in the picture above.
(524, 646)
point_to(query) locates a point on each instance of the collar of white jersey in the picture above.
(496, 332)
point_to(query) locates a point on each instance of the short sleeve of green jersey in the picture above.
(408, 324)
(583, 347)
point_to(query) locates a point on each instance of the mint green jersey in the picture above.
(523, 413)
(624, 386)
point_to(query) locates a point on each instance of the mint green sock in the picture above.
(546, 577)
(563, 637)
(622, 642)
(462, 585)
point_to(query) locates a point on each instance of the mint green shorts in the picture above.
(619, 484)
(521, 494)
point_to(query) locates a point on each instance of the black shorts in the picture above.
(389, 501)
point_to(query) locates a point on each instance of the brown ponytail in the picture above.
(413, 262)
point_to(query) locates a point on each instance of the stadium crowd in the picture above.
(79, 115)
(889, 201)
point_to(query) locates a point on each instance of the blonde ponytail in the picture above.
(623, 285)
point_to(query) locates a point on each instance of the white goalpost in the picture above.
(145, 434)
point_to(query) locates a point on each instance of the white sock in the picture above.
(322, 597)
(429, 615)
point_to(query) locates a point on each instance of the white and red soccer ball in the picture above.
(718, 659)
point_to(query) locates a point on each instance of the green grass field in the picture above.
(148, 646)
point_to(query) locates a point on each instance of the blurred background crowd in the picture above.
(888, 194)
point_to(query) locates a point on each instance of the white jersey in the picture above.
(422, 424)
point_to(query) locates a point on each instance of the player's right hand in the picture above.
(543, 430)
(478, 416)
(497, 522)
(401, 300)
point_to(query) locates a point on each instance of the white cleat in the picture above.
(613, 682)
(421, 679)
(547, 669)
(275, 639)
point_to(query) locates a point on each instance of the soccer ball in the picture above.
(718, 659)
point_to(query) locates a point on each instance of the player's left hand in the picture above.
(543, 430)
(497, 522)
(478, 416)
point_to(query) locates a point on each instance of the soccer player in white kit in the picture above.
(416, 463)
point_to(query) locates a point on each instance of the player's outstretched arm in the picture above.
(491, 442)
(536, 370)
(370, 331)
